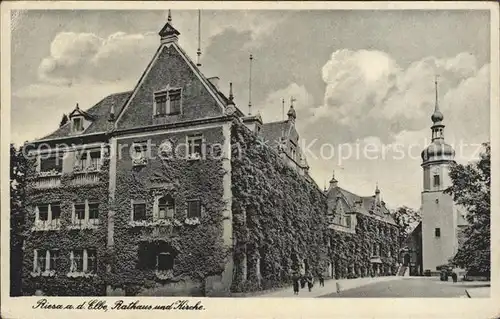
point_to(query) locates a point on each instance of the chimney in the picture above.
(377, 195)
(215, 81)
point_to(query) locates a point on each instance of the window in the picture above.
(139, 156)
(95, 159)
(51, 163)
(161, 104)
(77, 124)
(54, 257)
(82, 160)
(195, 146)
(166, 207)
(91, 260)
(46, 260)
(43, 212)
(168, 102)
(41, 260)
(194, 209)
(94, 211)
(165, 261)
(83, 260)
(437, 232)
(47, 216)
(436, 181)
(79, 212)
(139, 211)
(175, 101)
(77, 260)
(348, 221)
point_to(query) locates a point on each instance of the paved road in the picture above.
(407, 287)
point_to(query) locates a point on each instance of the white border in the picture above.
(256, 307)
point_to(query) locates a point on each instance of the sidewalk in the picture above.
(330, 287)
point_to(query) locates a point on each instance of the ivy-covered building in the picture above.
(169, 189)
(363, 236)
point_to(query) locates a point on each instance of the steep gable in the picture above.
(171, 67)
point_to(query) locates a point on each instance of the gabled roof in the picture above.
(220, 99)
(367, 205)
(77, 111)
(99, 113)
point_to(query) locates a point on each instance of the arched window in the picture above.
(166, 207)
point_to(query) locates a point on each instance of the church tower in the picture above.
(439, 222)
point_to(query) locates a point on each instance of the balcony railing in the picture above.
(47, 225)
(84, 224)
(49, 179)
(85, 177)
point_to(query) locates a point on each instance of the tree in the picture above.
(406, 218)
(64, 120)
(17, 188)
(471, 190)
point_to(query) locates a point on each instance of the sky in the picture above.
(363, 80)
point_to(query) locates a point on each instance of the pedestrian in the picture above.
(309, 282)
(321, 280)
(302, 281)
(454, 275)
(296, 279)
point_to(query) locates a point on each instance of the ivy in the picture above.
(65, 239)
(277, 214)
(351, 253)
(200, 249)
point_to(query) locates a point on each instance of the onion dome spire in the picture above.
(437, 116)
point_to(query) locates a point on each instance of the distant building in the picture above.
(363, 234)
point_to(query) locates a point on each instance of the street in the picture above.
(408, 287)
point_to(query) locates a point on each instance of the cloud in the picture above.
(76, 57)
(271, 108)
(367, 93)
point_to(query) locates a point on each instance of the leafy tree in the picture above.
(405, 217)
(64, 120)
(471, 190)
(17, 187)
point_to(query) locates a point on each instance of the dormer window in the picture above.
(168, 102)
(77, 124)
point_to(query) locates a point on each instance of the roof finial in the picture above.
(198, 52)
(231, 97)
(292, 115)
(250, 88)
(77, 106)
(282, 109)
(169, 18)
(437, 116)
(377, 190)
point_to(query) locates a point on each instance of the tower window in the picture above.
(437, 232)
(436, 181)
